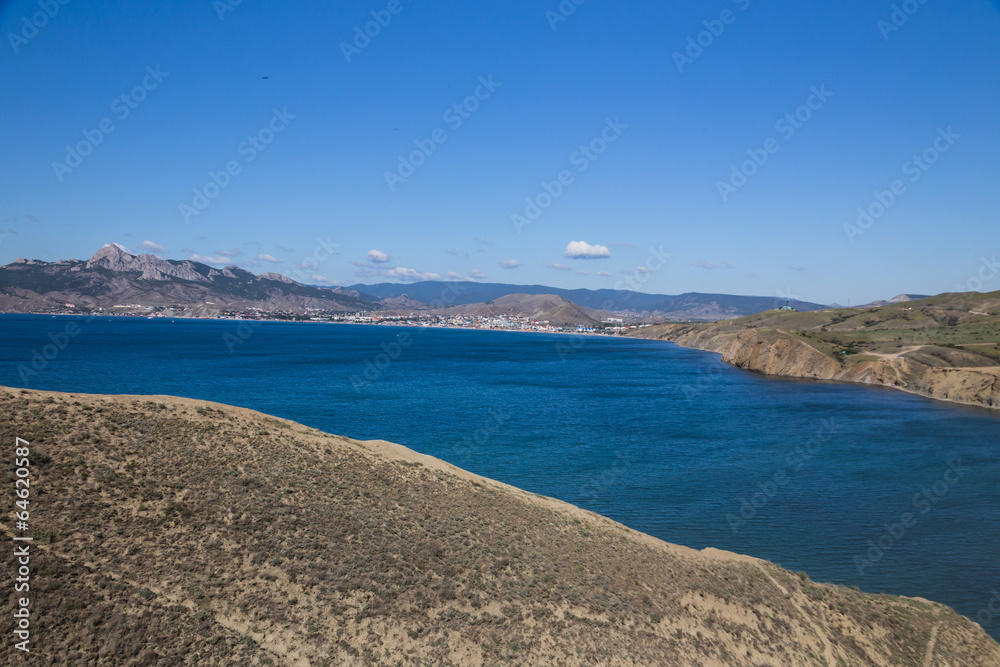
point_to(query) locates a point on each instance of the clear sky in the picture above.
(310, 118)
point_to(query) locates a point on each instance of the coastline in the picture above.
(776, 353)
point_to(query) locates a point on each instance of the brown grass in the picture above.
(184, 532)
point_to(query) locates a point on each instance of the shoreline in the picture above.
(866, 375)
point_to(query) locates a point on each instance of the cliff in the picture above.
(943, 348)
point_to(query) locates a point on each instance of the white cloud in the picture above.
(377, 257)
(204, 259)
(268, 258)
(709, 266)
(583, 250)
(316, 278)
(583, 273)
(558, 267)
(152, 247)
(404, 273)
(235, 252)
(642, 269)
(510, 264)
(476, 274)
(604, 274)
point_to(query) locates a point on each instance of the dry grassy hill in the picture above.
(945, 347)
(171, 531)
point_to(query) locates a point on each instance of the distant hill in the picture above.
(688, 306)
(557, 310)
(115, 276)
(899, 298)
(170, 531)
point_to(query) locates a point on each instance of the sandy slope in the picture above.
(174, 531)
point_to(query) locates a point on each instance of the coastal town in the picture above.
(208, 310)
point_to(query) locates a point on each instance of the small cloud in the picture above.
(451, 275)
(583, 250)
(316, 278)
(558, 267)
(284, 249)
(152, 247)
(603, 274)
(642, 269)
(205, 259)
(510, 264)
(583, 273)
(476, 274)
(480, 239)
(710, 266)
(377, 257)
(404, 273)
(235, 252)
(797, 268)
(268, 258)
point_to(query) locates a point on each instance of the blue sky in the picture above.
(673, 128)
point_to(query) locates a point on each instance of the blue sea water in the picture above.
(669, 441)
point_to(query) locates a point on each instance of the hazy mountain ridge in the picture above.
(178, 531)
(688, 306)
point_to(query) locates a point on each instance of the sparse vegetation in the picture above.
(177, 539)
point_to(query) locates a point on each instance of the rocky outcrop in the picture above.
(773, 352)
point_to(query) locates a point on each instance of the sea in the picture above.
(861, 486)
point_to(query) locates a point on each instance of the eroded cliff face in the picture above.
(774, 352)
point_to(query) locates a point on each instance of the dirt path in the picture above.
(930, 645)
(828, 655)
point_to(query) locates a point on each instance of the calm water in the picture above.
(666, 440)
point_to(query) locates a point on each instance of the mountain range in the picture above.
(115, 276)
